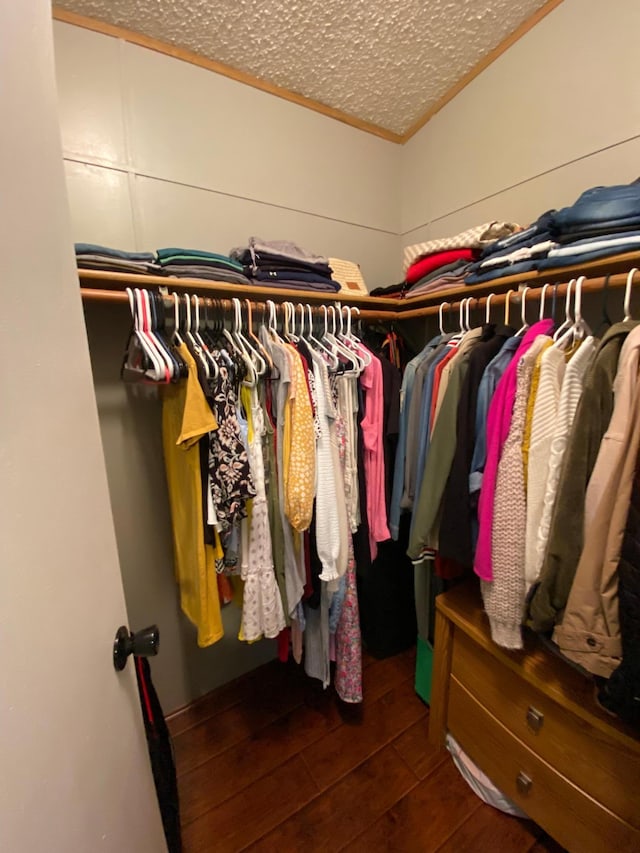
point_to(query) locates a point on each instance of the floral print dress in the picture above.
(262, 610)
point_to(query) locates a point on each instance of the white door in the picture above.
(74, 769)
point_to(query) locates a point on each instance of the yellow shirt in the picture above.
(531, 401)
(298, 449)
(186, 417)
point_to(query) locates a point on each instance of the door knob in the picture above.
(143, 643)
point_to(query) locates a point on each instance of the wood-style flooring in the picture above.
(271, 762)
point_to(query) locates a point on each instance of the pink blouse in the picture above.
(371, 380)
(498, 423)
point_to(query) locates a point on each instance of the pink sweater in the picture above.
(498, 423)
(371, 380)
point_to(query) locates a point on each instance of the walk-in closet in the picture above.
(321, 426)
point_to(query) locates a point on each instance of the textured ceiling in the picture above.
(383, 61)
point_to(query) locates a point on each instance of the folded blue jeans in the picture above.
(601, 205)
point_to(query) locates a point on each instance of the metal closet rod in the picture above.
(389, 314)
(90, 294)
(590, 285)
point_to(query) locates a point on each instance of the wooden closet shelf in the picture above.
(110, 286)
(203, 287)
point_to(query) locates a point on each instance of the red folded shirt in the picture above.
(426, 265)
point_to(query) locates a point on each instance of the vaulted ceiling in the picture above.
(387, 62)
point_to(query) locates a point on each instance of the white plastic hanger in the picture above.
(543, 297)
(146, 318)
(330, 338)
(440, 319)
(467, 312)
(348, 339)
(146, 326)
(272, 325)
(156, 371)
(568, 321)
(627, 294)
(523, 311)
(194, 345)
(365, 355)
(259, 363)
(578, 328)
(461, 328)
(318, 345)
(288, 332)
(507, 306)
(213, 365)
(240, 343)
(161, 343)
(487, 309)
(256, 340)
(176, 312)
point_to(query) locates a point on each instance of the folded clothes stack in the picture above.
(194, 263)
(443, 263)
(603, 222)
(92, 257)
(518, 253)
(280, 263)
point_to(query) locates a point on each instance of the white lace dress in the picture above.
(262, 611)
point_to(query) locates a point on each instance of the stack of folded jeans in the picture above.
(280, 263)
(195, 263)
(604, 222)
(92, 257)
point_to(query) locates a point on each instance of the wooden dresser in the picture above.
(531, 723)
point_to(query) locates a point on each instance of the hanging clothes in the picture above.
(262, 611)
(545, 412)
(570, 394)
(458, 514)
(504, 596)
(371, 382)
(187, 417)
(498, 424)
(566, 533)
(589, 633)
(426, 517)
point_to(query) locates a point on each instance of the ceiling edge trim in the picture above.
(87, 23)
(477, 69)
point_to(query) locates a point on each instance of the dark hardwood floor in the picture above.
(272, 762)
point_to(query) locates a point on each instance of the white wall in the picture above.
(177, 155)
(555, 114)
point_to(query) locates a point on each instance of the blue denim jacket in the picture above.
(406, 391)
(490, 378)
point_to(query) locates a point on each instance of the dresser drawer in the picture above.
(575, 819)
(598, 764)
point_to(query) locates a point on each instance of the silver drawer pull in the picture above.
(535, 719)
(523, 783)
